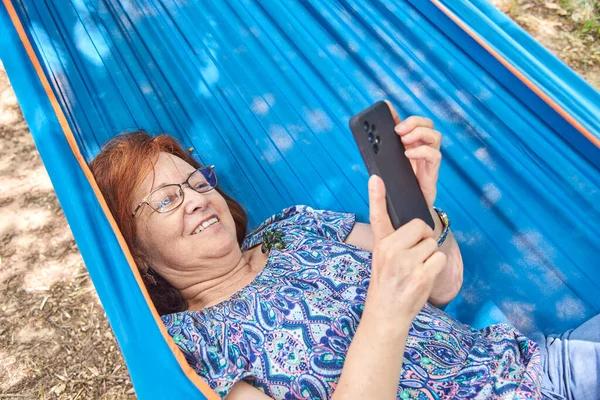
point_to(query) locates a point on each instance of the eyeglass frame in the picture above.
(180, 185)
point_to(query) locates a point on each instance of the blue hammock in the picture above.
(264, 91)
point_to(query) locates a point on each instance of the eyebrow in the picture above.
(163, 184)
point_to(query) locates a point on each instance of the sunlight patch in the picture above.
(570, 308)
(270, 155)
(533, 246)
(29, 334)
(402, 73)
(53, 54)
(318, 120)
(91, 44)
(337, 50)
(446, 141)
(491, 195)
(520, 314)
(508, 270)
(210, 75)
(464, 97)
(418, 89)
(280, 137)
(255, 31)
(8, 117)
(262, 105)
(12, 371)
(296, 129)
(420, 55)
(468, 238)
(353, 46)
(50, 271)
(482, 93)
(482, 155)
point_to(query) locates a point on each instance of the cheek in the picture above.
(223, 210)
(156, 235)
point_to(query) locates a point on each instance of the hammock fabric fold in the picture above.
(264, 90)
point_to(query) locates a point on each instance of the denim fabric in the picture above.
(571, 362)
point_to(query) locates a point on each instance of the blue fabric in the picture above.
(571, 362)
(135, 328)
(288, 332)
(264, 90)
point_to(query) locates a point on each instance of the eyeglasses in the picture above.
(169, 197)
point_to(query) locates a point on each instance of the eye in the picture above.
(166, 202)
(198, 181)
(201, 185)
(202, 180)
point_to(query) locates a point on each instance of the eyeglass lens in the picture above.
(170, 197)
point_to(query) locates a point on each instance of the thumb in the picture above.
(378, 214)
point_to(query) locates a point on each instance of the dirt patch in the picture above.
(55, 341)
(568, 28)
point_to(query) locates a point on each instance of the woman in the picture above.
(276, 313)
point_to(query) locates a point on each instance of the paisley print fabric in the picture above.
(288, 332)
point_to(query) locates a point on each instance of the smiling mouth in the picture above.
(208, 222)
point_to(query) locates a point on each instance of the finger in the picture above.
(411, 123)
(411, 233)
(393, 111)
(429, 154)
(425, 248)
(429, 136)
(378, 214)
(436, 263)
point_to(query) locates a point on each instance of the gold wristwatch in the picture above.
(446, 225)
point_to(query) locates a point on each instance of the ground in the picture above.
(55, 341)
(568, 28)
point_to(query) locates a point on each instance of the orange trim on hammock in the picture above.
(576, 124)
(189, 372)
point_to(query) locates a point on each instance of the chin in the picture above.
(220, 244)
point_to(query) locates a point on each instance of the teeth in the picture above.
(205, 225)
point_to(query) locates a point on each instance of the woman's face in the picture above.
(172, 241)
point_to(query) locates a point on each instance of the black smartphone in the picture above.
(383, 154)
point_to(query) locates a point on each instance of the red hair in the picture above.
(119, 169)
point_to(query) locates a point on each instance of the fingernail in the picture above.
(373, 183)
(399, 128)
(409, 152)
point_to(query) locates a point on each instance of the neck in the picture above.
(219, 288)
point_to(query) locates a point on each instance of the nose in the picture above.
(193, 200)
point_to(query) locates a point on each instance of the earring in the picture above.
(148, 277)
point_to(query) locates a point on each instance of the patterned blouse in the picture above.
(288, 332)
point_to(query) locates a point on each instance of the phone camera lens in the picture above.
(375, 148)
(377, 139)
(371, 138)
(373, 128)
(366, 126)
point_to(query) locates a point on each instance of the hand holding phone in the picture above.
(423, 149)
(383, 153)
